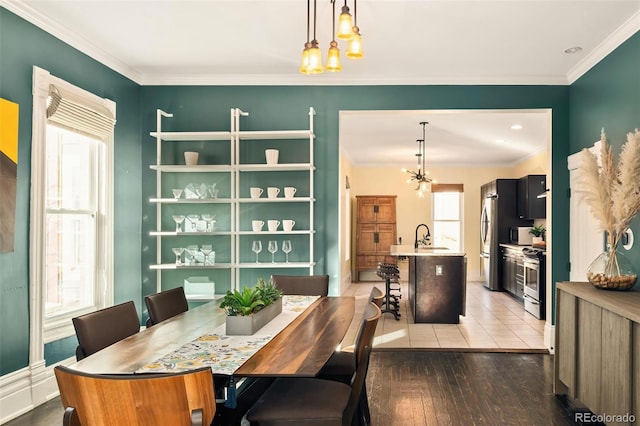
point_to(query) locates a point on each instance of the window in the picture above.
(447, 214)
(73, 177)
(71, 205)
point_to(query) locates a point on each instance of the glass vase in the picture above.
(612, 270)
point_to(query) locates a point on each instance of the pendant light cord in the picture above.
(355, 12)
(315, 6)
(308, 18)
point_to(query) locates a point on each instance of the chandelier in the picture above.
(420, 176)
(347, 30)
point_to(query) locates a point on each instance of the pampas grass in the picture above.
(612, 192)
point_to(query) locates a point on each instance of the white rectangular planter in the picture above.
(248, 325)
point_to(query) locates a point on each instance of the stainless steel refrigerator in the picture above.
(499, 212)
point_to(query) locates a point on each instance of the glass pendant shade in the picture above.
(345, 25)
(304, 65)
(355, 45)
(333, 58)
(315, 59)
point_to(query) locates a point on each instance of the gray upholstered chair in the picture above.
(185, 398)
(166, 304)
(99, 329)
(305, 285)
(311, 401)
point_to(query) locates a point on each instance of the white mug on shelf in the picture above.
(257, 225)
(191, 158)
(287, 225)
(255, 192)
(272, 192)
(271, 155)
(272, 225)
(289, 191)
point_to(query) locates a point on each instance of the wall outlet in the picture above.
(439, 270)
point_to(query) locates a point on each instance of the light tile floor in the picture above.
(494, 322)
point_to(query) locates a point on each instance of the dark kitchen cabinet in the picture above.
(513, 271)
(529, 205)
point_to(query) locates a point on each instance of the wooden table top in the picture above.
(301, 349)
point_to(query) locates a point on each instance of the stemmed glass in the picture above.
(192, 254)
(209, 219)
(273, 248)
(178, 252)
(286, 248)
(177, 193)
(206, 250)
(257, 248)
(193, 218)
(178, 219)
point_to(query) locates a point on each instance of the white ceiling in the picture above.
(222, 42)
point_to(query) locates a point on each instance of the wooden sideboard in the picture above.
(597, 349)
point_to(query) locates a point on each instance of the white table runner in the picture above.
(224, 354)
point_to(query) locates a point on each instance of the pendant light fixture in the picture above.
(333, 57)
(345, 24)
(307, 45)
(420, 176)
(355, 43)
(311, 55)
(348, 29)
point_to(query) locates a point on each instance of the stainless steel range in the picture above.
(534, 281)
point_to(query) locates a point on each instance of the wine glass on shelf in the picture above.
(177, 193)
(206, 250)
(273, 248)
(209, 219)
(178, 252)
(286, 248)
(193, 218)
(191, 250)
(178, 219)
(256, 248)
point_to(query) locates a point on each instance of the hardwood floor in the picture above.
(446, 388)
(437, 388)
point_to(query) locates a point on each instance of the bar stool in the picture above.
(390, 273)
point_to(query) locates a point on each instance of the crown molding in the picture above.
(330, 79)
(43, 22)
(612, 42)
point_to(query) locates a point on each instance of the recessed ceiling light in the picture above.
(499, 141)
(574, 49)
(516, 127)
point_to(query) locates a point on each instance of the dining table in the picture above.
(300, 349)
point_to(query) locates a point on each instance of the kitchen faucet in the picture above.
(426, 237)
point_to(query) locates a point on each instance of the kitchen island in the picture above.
(437, 283)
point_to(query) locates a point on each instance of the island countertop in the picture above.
(409, 250)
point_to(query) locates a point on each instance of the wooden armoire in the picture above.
(375, 231)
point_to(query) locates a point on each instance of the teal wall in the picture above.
(278, 108)
(207, 108)
(608, 96)
(21, 46)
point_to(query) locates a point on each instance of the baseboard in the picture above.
(23, 390)
(550, 336)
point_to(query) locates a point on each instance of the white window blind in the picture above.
(69, 110)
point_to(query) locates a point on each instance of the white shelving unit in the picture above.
(236, 171)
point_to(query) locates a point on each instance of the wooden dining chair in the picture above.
(376, 296)
(305, 285)
(306, 401)
(343, 364)
(185, 398)
(165, 304)
(99, 329)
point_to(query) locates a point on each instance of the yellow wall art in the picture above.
(8, 172)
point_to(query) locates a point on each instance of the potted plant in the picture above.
(250, 308)
(537, 231)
